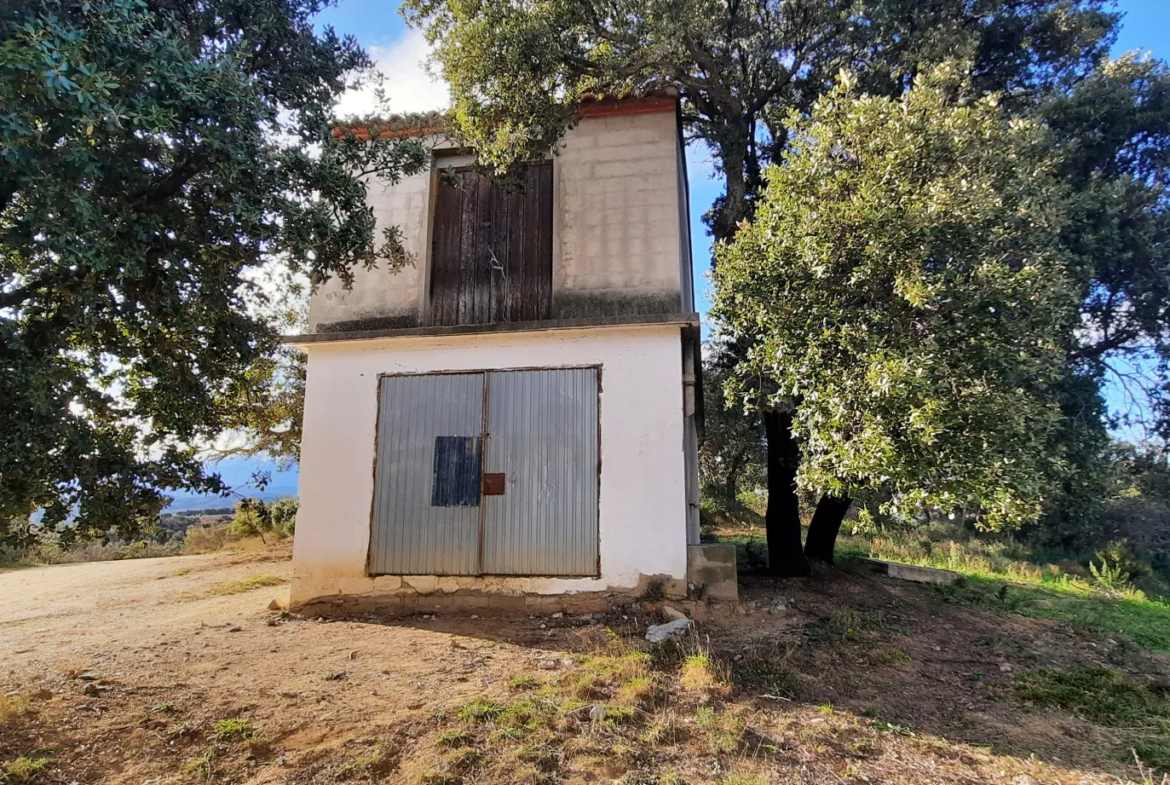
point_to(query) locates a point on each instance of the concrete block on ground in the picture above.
(904, 572)
(712, 569)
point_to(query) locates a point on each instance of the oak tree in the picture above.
(519, 71)
(154, 155)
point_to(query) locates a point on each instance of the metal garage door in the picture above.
(424, 420)
(512, 493)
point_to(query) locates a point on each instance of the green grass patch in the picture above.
(480, 710)
(1145, 621)
(235, 729)
(1103, 695)
(247, 584)
(1106, 697)
(23, 769)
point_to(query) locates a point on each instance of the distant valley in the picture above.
(238, 473)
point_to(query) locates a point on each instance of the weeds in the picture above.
(700, 674)
(11, 708)
(235, 729)
(247, 584)
(523, 682)
(23, 769)
(1109, 698)
(841, 625)
(454, 738)
(766, 672)
(202, 766)
(480, 710)
(881, 726)
(362, 768)
(724, 732)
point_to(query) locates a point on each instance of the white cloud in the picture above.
(408, 85)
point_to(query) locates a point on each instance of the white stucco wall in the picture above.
(618, 230)
(642, 517)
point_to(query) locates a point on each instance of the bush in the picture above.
(206, 539)
(48, 550)
(284, 515)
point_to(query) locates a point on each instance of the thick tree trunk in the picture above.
(825, 526)
(731, 486)
(782, 521)
(731, 494)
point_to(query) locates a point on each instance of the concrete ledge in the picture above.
(405, 604)
(631, 320)
(903, 572)
(409, 592)
(711, 569)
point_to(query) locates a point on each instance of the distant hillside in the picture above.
(237, 473)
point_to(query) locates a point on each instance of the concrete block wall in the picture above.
(616, 224)
(382, 298)
(618, 231)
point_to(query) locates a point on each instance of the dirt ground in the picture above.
(126, 672)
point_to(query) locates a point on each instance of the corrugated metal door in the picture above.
(426, 517)
(542, 435)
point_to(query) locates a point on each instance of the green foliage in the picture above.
(252, 519)
(22, 769)
(247, 584)
(731, 454)
(284, 514)
(518, 71)
(1108, 573)
(905, 284)
(156, 159)
(234, 729)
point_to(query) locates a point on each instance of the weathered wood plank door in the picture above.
(491, 254)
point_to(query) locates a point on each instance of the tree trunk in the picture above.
(731, 494)
(731, 486)
(825, 526)
(782, 521)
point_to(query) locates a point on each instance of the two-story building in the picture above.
(515, 413)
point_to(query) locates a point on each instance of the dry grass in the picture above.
(247, 584)
(12, 707)
(206, 539)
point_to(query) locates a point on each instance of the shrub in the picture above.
(206, 539)
(284, 515)
(252, 519)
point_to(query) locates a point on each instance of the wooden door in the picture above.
(491, 255)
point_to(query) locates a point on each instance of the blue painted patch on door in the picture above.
(457, 471)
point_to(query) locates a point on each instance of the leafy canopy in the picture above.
(519, 70)
(906, 288)
(154, 155)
